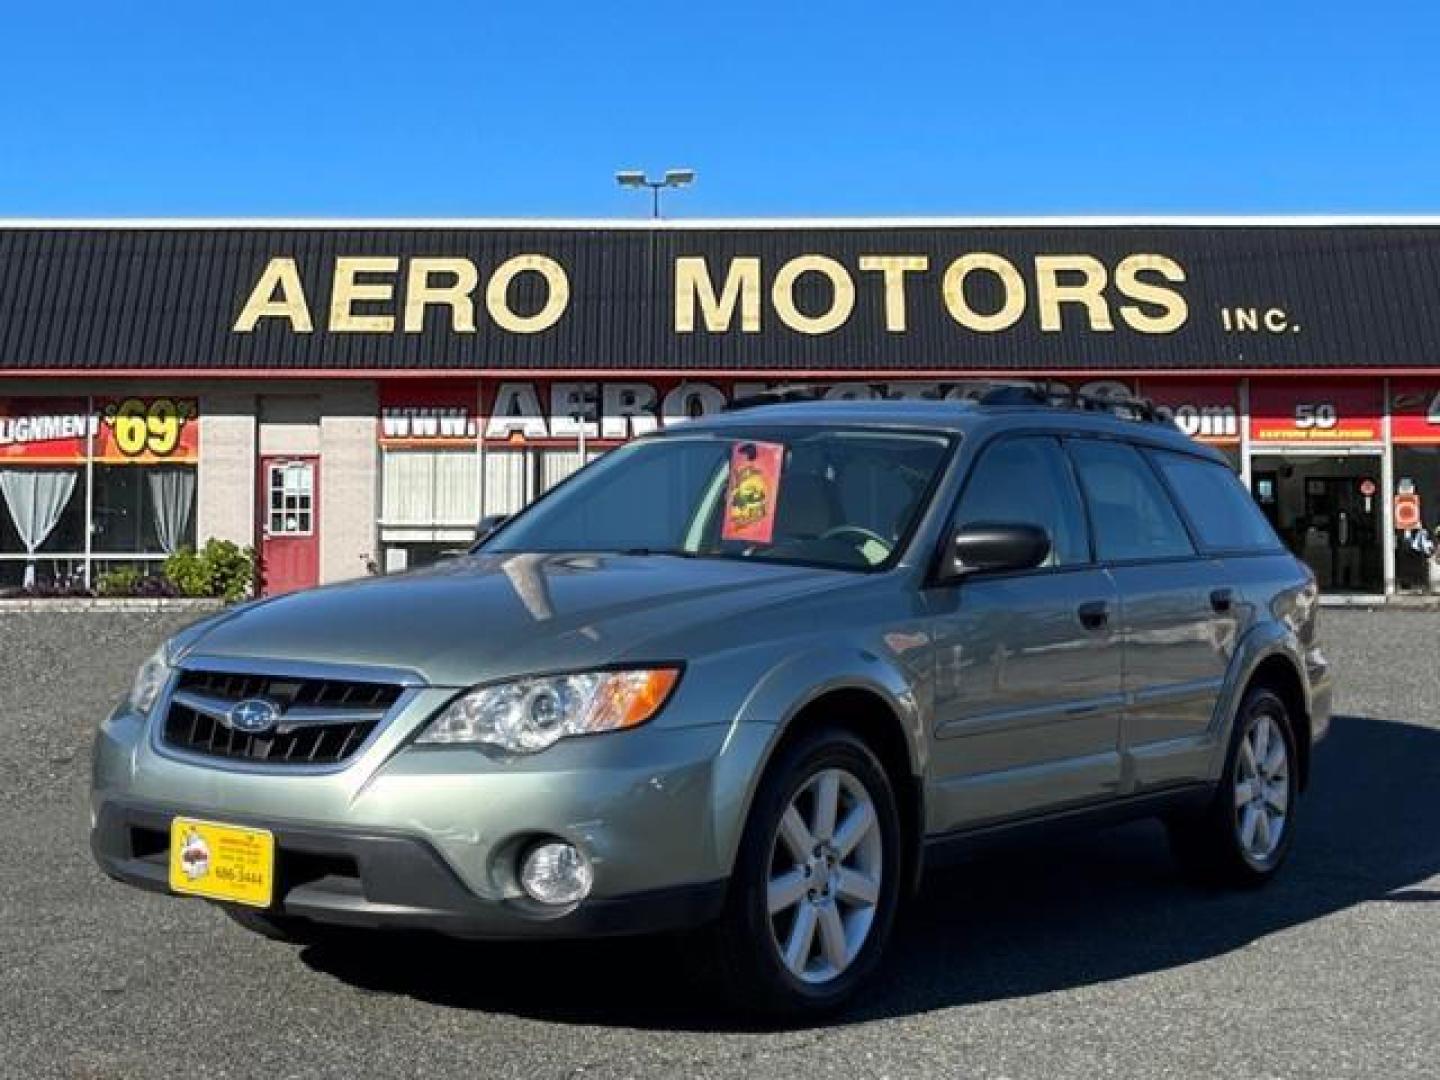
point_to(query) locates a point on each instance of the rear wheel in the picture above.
(1244, 836)
(816, 880)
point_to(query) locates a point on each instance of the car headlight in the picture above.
(149, 681)
(527, 715)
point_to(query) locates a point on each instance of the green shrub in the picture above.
(220, 568)
(122, 581)
(190, 572)
(132, 581)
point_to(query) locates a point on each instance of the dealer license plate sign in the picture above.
(222, 862)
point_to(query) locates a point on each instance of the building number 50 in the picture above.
(1321, 415)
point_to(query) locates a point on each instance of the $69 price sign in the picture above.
(154, 426)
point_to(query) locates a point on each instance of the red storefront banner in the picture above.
(1315, 411)
(121, 431)
(44, 431)
(1208, 410)
(1415, 410)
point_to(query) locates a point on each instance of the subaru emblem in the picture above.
(254, 716)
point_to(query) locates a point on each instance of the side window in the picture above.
(1130, 511)
(1223, 513)
(1027, 481)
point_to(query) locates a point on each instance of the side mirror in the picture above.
(488, 524)
(985, 546)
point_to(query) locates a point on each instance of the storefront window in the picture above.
(129, 464)
(143, 509)
(1327, 510)
(1417, 519)
(44, 523)
(440, 476)
(1317, 459)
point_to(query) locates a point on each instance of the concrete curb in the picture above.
(71, 604)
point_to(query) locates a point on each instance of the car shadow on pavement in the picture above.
(1085, 909)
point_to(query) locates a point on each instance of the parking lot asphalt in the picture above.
(1087, 957)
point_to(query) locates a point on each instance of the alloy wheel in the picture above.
(825, 873)
(1262, 789)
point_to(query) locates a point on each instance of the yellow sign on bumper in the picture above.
(222, 862)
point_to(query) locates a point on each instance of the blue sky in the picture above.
(357, 108)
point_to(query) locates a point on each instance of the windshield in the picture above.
(843, 499)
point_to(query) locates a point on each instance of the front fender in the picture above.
(777, 698)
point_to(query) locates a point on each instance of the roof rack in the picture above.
(779, 395)
(1055, 395)
(986, 393)
(974, 389)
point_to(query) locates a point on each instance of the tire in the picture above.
(1234, 842)
(844, 893)
(286, 928)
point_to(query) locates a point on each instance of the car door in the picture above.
(1173, 607)
(1028, 664)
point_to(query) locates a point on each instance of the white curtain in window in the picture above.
(557, 465)
(431, 487)
(172, 494)
(36, 498)
(505, 486)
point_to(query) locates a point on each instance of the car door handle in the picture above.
(1222, 599)
(1093, 615)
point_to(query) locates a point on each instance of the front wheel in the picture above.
(1244, 836)
(816, 880)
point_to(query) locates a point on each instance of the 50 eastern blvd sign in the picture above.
(981, 291)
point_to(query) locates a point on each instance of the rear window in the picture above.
(1223, 513)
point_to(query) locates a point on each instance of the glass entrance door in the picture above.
(1327, 510)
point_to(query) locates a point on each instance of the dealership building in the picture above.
(354, 396)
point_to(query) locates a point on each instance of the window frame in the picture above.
(97, 554)
(306, 511)
(89, 560)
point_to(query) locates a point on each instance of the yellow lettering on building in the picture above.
(895, 267)
(694, 286)
(346, 292)
(1011, 284)
(422, 291)
(280, 276)
(1089, 292)
(497, 294)
(842, 294)
(1173, 309)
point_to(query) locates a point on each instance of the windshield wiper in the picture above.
(642, 551)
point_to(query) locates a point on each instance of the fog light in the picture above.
(556, 873)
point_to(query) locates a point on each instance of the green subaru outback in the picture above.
(747, 677)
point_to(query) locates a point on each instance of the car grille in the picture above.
(322, 721)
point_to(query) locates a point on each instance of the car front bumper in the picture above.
(365, 878)
(414, 836)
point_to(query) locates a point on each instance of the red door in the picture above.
(289, 518)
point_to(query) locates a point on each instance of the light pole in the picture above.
(673, 178)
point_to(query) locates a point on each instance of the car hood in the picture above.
(495, 616)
